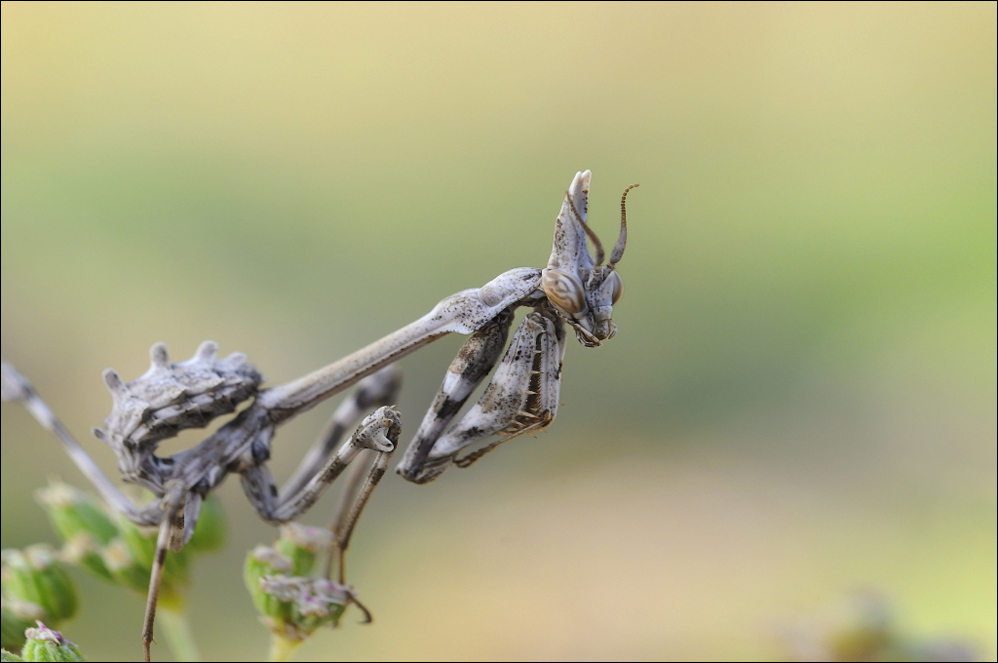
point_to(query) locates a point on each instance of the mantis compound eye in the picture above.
(617, 285)
(564, 290)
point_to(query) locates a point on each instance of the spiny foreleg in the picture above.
(521, 398)
(473, 363)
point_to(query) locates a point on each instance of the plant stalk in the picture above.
(177, 631)
(282, 649)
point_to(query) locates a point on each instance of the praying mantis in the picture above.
(575, 289)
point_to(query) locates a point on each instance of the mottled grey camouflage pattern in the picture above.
(575, 288)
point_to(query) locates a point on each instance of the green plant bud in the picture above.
(314, 602)
(117, 557)
(142, 545)
(35, 575)
(17, 615)
(264, 562)
(211, 531)
(141, 541)
(72, 511)
(44, 644)
(320, 603)
(302, 544)
(81, 550)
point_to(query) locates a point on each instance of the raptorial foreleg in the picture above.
(522, 397)
(475, 360)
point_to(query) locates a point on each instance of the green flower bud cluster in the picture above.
(294, 603)
(35, 586)
(44, 644)
(113, 548)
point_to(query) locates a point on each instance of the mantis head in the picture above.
(579, 286)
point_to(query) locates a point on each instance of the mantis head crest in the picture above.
(578, 285)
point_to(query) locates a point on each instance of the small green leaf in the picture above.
(16, 616)
(211, 531)
(35, 575)
(72, 511)
(83, 551)
(7, 656)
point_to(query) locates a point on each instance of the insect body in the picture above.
(575, 289)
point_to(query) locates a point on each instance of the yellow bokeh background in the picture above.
(800, 402)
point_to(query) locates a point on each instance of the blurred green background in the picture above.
(800, 401)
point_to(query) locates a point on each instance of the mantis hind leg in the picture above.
(171, 537)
